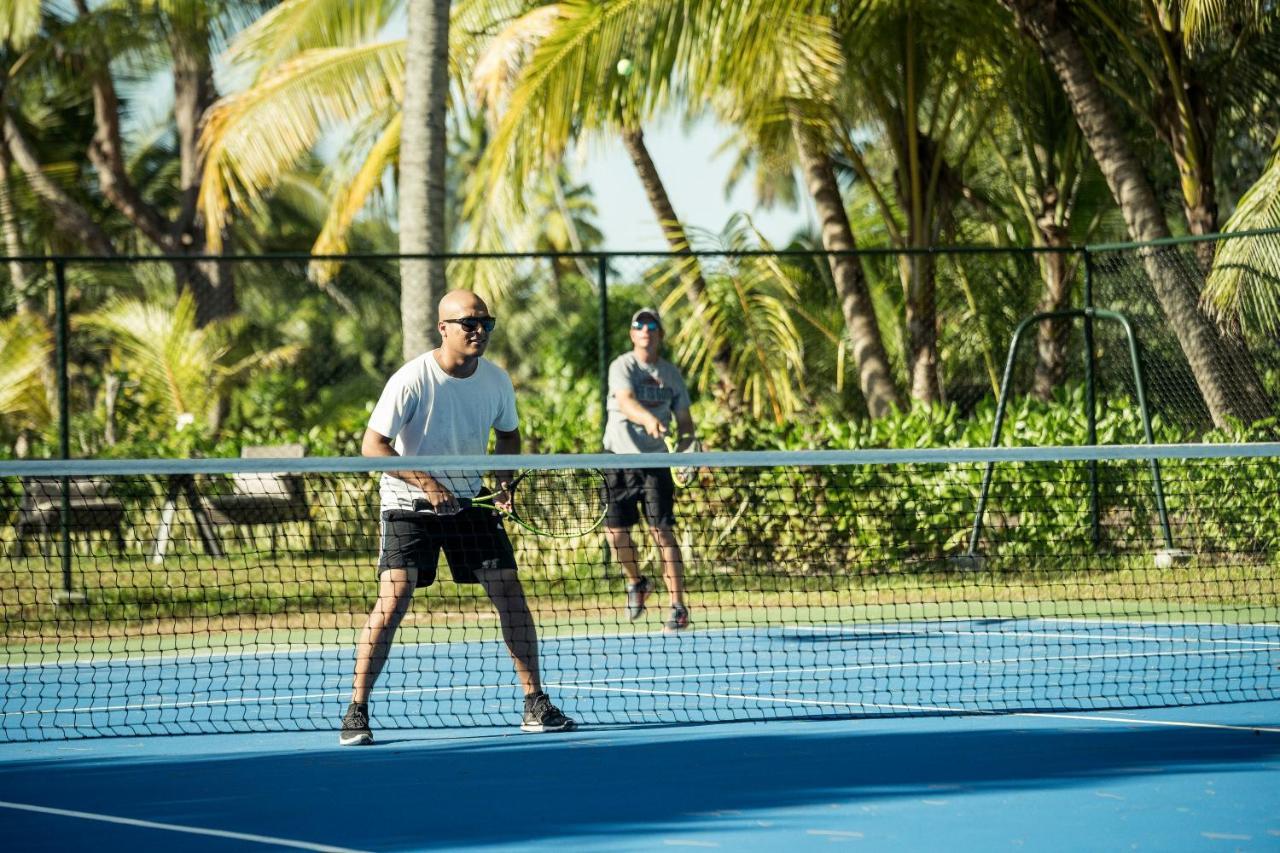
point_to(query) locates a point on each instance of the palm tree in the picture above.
(422, 169)
(1216, 367)
(564, 71)
(875, 375)
(917, 84)
(319, 67)
(1193, 62)
(95, 44)
(181, 366)
(1055, 192)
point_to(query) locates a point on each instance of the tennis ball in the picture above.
(625, 67)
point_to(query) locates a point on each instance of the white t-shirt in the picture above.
(430, 413)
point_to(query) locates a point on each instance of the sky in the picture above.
(694, 176)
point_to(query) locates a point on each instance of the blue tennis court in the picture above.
(935, 667)
(1076, 776)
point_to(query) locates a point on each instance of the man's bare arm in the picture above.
(375, 444)
(505, 444)
(638, 414)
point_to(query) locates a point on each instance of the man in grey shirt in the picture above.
(645, 392)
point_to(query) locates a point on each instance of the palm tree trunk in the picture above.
(1211, 364)
(1051, 337)
(422, 171)
(1191, 142)
(922, 327)
(875, 376)
(673, 230)
(212, 283)
(19, 280)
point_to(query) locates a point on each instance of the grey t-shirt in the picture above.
(658, 387)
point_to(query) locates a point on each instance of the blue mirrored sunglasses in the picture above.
(470, 324)
(651, 325)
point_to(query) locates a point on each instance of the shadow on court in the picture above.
(626, 783)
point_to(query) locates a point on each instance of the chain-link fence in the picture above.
(152, 356)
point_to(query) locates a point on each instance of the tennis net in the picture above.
(168, 597)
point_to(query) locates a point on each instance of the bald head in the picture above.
(464, 325)
(461, 303)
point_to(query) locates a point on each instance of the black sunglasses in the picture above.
(470, 324)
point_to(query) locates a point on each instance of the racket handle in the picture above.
(424, 505)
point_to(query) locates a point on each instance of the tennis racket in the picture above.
(687, 444)
(561, 504)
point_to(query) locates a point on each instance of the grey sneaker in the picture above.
(541, 716)
(355, 727)
(636, 594)
(678, 620)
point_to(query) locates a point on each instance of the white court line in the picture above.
(872, 629)
(123, 656)
(1142, 722)
(1125, 638)
(286, 699)
(1100, 620)
(917, 665)
(177, 827)
(942, 709)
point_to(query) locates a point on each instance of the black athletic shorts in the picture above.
(472, 540)
(626, 489)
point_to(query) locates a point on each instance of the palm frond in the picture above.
(19, 22)
(297, 26)
(169, 354)
(499, 66)
(25, 345)
(1205, 19)
(250, 138)
(351, 196)
(573, 84)
(746, 310)
(1244, 282)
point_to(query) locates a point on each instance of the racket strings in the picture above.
(560, 503)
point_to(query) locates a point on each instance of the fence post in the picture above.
(67, 594)
(602, 337)
(1090, 399)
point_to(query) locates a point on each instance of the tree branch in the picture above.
(106, 153)
(70, 216)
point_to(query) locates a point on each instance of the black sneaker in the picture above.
(541, 716)
(636, 594)
(678, 620)
(355, 727)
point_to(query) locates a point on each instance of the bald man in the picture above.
(443, 403)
